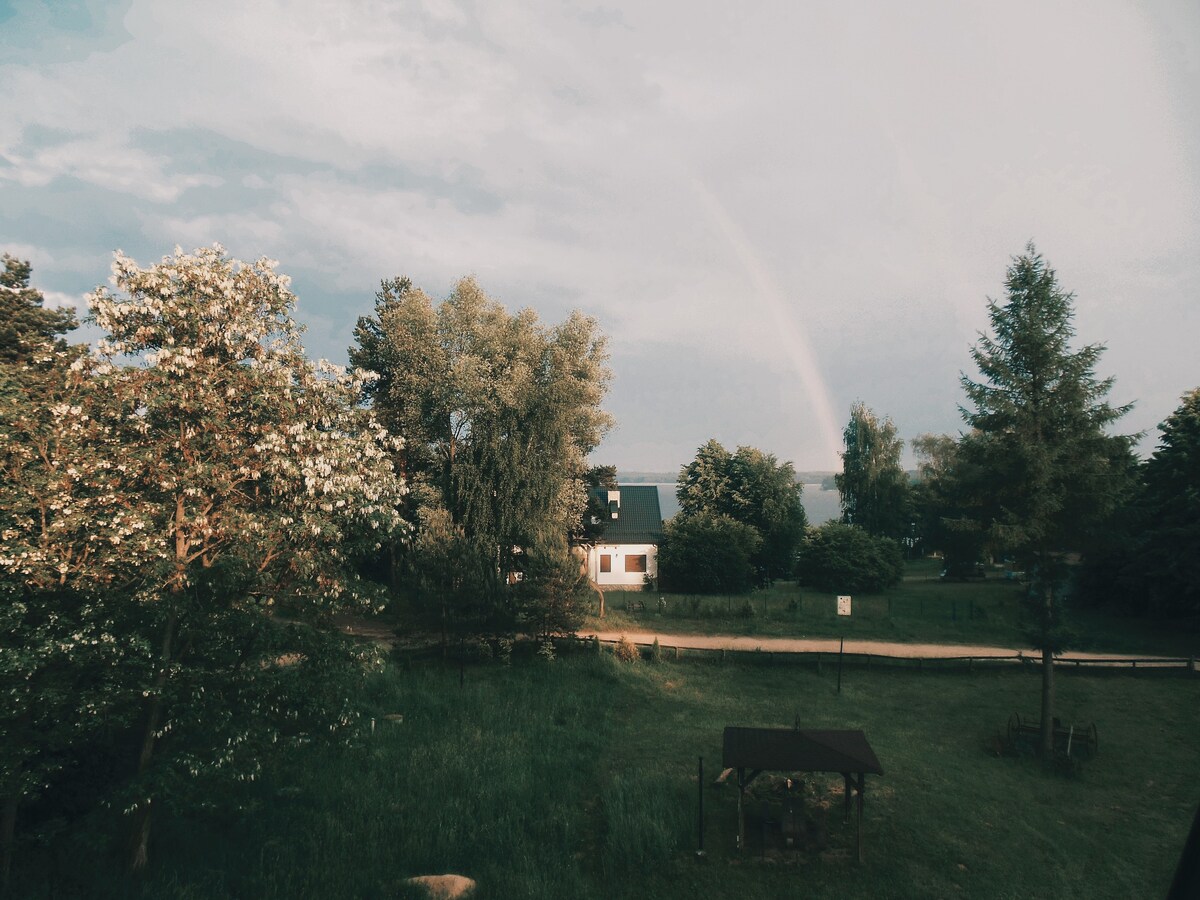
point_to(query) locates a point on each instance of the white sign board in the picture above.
(843, 604)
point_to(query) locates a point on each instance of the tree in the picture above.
(873, 486)
(25, 324)
(751, 487)
(553, 592)
(498, 411)
(1169, 557)
(940, 505)
(704, 554)
(837, 557)
(1038, 418)
(201, 508)
(40, 714)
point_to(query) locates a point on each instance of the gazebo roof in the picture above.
(799, 750)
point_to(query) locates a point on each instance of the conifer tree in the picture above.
(1038, 419)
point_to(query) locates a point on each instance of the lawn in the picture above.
(577, 778)
(922, 608)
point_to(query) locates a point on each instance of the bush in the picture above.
(708, 555)
(836, 558)
(626, 650)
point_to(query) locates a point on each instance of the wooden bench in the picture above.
(635, 606)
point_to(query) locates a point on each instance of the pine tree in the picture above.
(1170, 556)
(1038, 418)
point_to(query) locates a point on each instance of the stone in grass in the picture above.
(444, 887)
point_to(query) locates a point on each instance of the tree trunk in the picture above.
(1047, 704)
(8, 833)
(1047, 680)
(140, 836)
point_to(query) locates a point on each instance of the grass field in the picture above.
(921, 608)
(577, 779)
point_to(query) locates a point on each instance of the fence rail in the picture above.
(867, 660)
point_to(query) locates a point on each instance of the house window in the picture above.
(635, 563)
(605, 562)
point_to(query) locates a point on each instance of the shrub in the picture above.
(708, 555)
(746, 611)
(504, 650)
(836, 557)
(656, 653)
(626, 650)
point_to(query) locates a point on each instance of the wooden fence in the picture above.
(822, 658)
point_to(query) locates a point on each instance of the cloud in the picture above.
(879, 167)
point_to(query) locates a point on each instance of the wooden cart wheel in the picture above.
(1014, 727)
(1095, 738)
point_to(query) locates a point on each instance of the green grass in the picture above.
(922, 608)
(577, 779)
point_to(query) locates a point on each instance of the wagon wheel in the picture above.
(1014, 727)
(1094, 738)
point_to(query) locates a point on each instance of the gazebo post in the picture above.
(846, 797)
(862, 784)
(741, 840)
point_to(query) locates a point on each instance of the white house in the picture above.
(630, 530)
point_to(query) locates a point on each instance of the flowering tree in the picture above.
(206, 489)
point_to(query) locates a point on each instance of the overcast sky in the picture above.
(774, 209)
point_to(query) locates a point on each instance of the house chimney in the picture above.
(614, 503)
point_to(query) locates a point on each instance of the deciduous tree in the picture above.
(708, 554)
(837, 557)
(207, 499)
(751, 487)
(498, 411)
(1038, 417)
(873, 486)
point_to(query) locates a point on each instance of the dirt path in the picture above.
(830, 645)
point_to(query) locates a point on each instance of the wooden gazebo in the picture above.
(799, 750)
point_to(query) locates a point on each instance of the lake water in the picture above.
(820, 506)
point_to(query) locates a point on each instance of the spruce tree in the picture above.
(1038, 419)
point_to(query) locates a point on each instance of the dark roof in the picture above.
(798, 750)
(638, 520)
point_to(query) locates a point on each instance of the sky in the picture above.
(773, 209)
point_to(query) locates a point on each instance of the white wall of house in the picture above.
(627, 564)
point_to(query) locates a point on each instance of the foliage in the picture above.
(939, 508)
(200, 510)
(873, 486)
(451, 575)
(1046, 471)
(1169, 552)
(498, 411)
(708, 554)
(753, 488)
(52, 687)
(626, 651)
(553, 595)
(846, 558)
(26, 326)
(590, 526)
